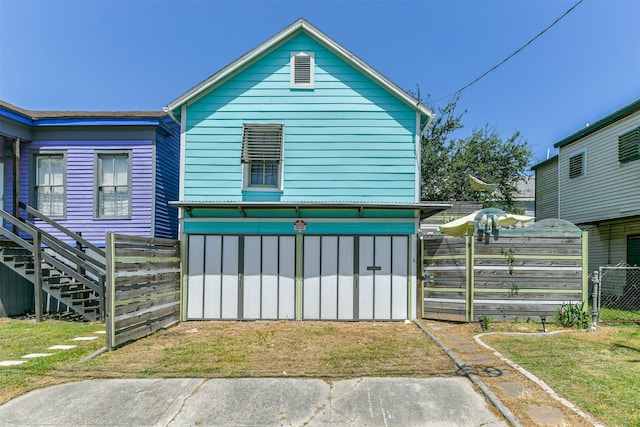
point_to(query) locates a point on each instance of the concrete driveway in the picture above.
(254, 402)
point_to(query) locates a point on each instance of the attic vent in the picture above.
(302, 67)
(576, 165)
(629, 146)
(261, 142)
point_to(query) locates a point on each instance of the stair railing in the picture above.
(68, 255)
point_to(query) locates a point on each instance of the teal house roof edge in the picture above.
(300, 25)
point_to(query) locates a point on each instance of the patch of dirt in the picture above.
(328, 350)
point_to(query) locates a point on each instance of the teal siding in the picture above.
(346, 140)
(313, 228)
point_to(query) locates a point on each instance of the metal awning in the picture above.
(426, 209)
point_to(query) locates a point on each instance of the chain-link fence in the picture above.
(619, 293)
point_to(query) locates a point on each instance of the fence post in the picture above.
(37, 273)
(595, 309)
(109, 291)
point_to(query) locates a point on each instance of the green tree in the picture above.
(447, 162)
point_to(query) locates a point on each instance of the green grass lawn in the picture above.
(598, 371)
(19, 338)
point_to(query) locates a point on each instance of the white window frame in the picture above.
(98, 157)
(312, 65)
(246, 165)
(36, 184)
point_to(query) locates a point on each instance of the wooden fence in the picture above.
(143, 286)
(521, 274)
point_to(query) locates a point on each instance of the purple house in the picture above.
(89, 172)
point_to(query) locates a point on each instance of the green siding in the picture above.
(348, 139)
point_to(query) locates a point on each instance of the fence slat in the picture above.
(143, 286)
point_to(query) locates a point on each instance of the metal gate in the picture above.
(619, 294)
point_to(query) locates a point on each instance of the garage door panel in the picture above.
(212, 277)
(287, 284)
(399, 284)
(382, 283)
(195, 281)
(251, 286)
(399, 279)
(365, 285)
(329, 278)
(311, 278)
(269, 289)
(345, 278)
(229, 309)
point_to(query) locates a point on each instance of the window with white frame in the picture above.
(50, 184)
(113, 184)
(302, 70)
(262, 154)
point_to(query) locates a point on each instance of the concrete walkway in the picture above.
(513, 388)
(253, 402)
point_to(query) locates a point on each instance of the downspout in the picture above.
(170, 114)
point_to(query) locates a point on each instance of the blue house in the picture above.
(300, 186)
(85, 171)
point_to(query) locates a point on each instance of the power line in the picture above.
(459, 91)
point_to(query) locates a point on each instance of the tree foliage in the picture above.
(447, 162)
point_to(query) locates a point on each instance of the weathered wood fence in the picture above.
(143, 286)
(525, 273)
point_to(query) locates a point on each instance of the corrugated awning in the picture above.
(426, 209)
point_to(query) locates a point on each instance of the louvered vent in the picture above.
(261, 142)
(302, 70)
(576, 164)
(629, 146)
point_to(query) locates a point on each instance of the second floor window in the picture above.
(113, 185)
(50, 192)
(262, 152)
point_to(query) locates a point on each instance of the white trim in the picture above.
(281, 37)
(292, 69)
(183, 148)
(418, 178)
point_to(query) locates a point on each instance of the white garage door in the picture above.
(383, 288)
(241, 277)
(335, 287)
(328, 286)
(269, 277)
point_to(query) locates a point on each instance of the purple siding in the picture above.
(80, 175)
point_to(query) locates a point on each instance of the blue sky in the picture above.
(142, 54)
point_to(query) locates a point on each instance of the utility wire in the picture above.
(459, 91)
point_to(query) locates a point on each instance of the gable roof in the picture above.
(301, 25)
(604, 122)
